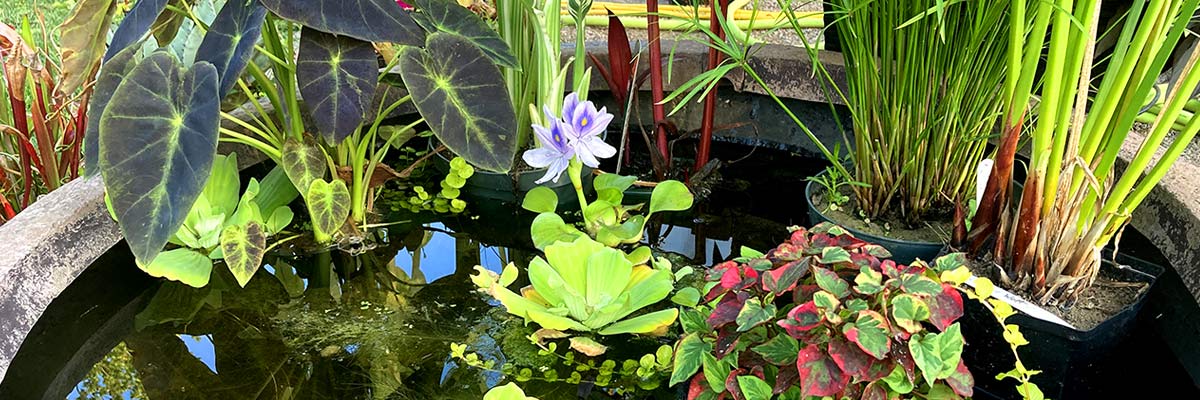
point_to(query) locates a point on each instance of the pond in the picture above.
(387, 321)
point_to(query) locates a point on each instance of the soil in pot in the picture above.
(935, 228)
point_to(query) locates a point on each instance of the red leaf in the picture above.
(783, 279)
(619, 56)
(961, 381)
(901, 355)
(890, 268)
(727, 310)
(802, 319)
(875, 391)
(879, 370)
(946, 307)
(819, 375)
(731, 278)
(727, 340)
(849, 358)
(865, 260)
(698, 386)
(731, 384)
(788, 376)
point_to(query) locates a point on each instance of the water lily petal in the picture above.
(570, 103)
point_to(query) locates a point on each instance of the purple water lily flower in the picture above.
(555, 153)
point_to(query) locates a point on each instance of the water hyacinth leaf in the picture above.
(642, 254)
(158, 137)
(230, 40)
(338, 75)
(754, 388)
(654, 323)
(689, 354)
(909, 311)
(243, 247)
(448, 16)
(629, 231)
(303, 161)
(780, 350)
(368, 20)
(616, 182)
(670, 195)
(819, 374)
(329, 206)
(188, 266)
(463, 99)
(871, 333)
(82, 40)
(112, 73)
(540, 199)
(135, 25)
(549, 228)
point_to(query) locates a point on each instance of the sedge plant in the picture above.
(1047, 238)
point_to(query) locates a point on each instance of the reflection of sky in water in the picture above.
(200, 346)
(681, 240)
(438, 256)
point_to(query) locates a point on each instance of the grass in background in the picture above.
(54, 12)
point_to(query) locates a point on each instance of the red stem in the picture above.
(656, 81)
(710, 100)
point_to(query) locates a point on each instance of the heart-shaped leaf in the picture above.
(329, 206)
(463, 99)
(780, 350)
(937, 354)
(338, 75)
(754, 388)
(754, 313)
(819, 374)
(670, 196)
(230, 40)
(909, 311)
(448, 16)
(83, 37)
(369, 20)
(303, 162)
(112, 73)
(243, 247)
(135, 25)
(871, 333)
(158, 137)
(184, 265)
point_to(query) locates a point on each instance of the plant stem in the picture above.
(575, 169)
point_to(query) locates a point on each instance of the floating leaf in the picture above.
(463, 98)
(369, 20)
(780, 350)
(587, 346)
(243, 247)
(83, 37)
(540, 199)
(338, 75)
(870, 332)
(448, 16)
(184, 265)
(549, 228)
(819, 375)
(689, 354)
(303, 161)
(909, 311)
(157, 141)
(112, 73)
(329, 206)
(135, 25)
(670, 195)
(230, 40)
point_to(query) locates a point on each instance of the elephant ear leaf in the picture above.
(338, 75)
(369, 20)
(329, 206)
(135, 25)
(448, 16)
(111, 75)
(243, 247)
(230, 40)
(158, 138)
(83, 39)
(303, 161)
(463, 98)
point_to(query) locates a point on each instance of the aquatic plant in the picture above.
(623, 376)
(507, 392)
(856, 323)
(584, 286)
(158, 116)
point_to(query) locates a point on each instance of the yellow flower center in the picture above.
(584, 122)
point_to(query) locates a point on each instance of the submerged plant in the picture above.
(1075, 201)
(856, 324)
(584, 286)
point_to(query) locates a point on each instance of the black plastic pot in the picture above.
(903, 251)
(511, 187)
(1067, 358)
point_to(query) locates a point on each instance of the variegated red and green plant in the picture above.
(824, 314)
